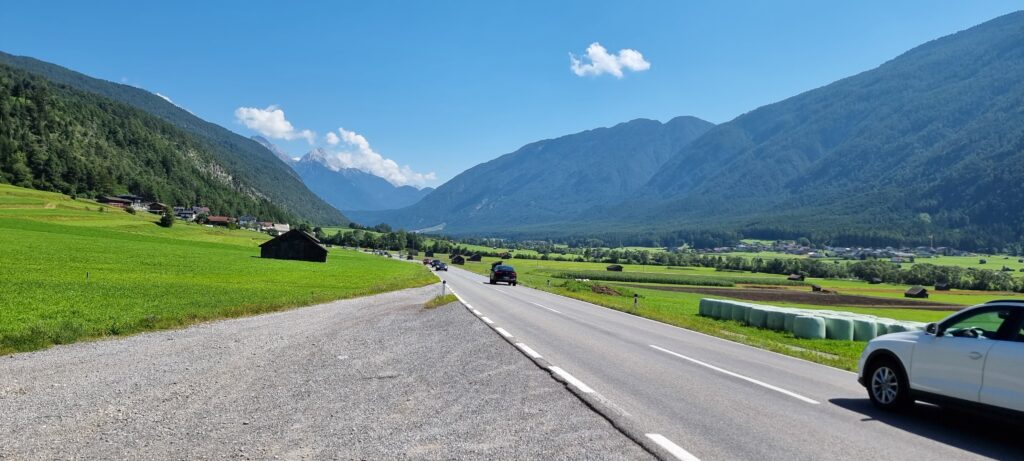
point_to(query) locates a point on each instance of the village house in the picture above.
(219, 220)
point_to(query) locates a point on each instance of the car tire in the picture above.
(887, 384)
(513, 283)
(493, 282)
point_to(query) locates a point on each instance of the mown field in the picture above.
(70, 271)
(680, 308)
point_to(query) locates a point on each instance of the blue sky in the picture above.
(442, 86)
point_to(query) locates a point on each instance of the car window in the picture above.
(983, 325)
(504, 268)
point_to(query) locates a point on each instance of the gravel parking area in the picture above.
(371, 378)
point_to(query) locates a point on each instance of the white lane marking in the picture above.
(489, 321)
(530, 352)
(671, 447)
(737, 375)
(468, 306)
(503, 332)
(478, 313)
(545, 307)
(572, 380)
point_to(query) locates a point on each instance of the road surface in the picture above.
(712, 399)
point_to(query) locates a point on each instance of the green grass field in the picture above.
(70, 271)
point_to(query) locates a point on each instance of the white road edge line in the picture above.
(737, 375)
(545, 307)
(478, 312)
(503, 332)
(489, 321)
(572, 380)
(530, 352)
(671, 447)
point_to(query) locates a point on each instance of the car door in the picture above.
(952, 362)
(1003, 384)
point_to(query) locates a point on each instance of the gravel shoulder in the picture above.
(369, 378)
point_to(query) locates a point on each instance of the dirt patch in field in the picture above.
(805, 297)
(604, 290)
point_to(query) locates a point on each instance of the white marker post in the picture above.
(444, 283)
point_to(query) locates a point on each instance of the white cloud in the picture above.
(361, 156)
(601, 62)
(270, 122)
(333, 139)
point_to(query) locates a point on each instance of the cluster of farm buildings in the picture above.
(192, 213)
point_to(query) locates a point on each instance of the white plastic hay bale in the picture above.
(704, 308)
(776, 320)
(739, 312)
(864, 329)
(839, 328)
(726, 311)
(896, 328)
(757, 317)
(790, 320)
(809, 327)
(716, 310)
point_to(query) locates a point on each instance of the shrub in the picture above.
(166, 220)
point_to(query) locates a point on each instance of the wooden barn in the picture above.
(458, 259)
(875, 281)
(795, 277)
(942, 286)
(614, 268)
(296, 245)
(916, 292)
(476, 257)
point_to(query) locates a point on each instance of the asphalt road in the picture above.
(370, 378)
(719, 400)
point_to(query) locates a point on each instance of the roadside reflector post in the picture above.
(636, 301)
(549, 283)
(444, 283)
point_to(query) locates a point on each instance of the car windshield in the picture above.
(504, 268)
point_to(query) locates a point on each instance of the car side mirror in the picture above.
(932, 329)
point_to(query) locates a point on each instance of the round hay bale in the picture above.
(704, 307)
(839, 328)
(809, 327)
(776, 320)
(896, 328)
(716, 310)
(864, 329)
(739, 312)
(789, 321)
(757, 317)
(726, 311)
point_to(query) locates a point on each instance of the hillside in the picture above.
(545, 181)
(928, 143)
(252, 169)
(60, 139)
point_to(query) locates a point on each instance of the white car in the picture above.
(975, 358)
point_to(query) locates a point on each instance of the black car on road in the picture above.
(503, 273)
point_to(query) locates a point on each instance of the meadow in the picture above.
(680, 308)
(72, 270)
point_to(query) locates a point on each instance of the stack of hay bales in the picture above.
(805, 323)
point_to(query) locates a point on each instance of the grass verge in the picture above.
(440, 300)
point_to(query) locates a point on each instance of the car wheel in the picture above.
(888, 387)
(493, 282)
(513, 283)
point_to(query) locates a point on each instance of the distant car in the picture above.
(974, 358)
(503, 273)
(435, 262)
(441, 267)
(426, 261)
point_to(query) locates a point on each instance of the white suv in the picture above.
(974, 357)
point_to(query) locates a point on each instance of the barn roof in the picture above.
(302, 234)
(916, 290)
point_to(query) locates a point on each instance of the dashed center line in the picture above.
(572, 380)
(503, 332)
(737, 375)
(530, 352)
(671, 447)
(543, 306)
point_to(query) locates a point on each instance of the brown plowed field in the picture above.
(805, 297)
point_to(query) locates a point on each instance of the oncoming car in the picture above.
(974, 358)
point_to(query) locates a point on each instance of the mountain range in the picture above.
(927, 145)
(346, 188)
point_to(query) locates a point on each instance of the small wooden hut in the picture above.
(942, 286)
(796, 277)
(916, 292)
(295, 245)
(614, 268)
(476, 257)
(458, 259)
